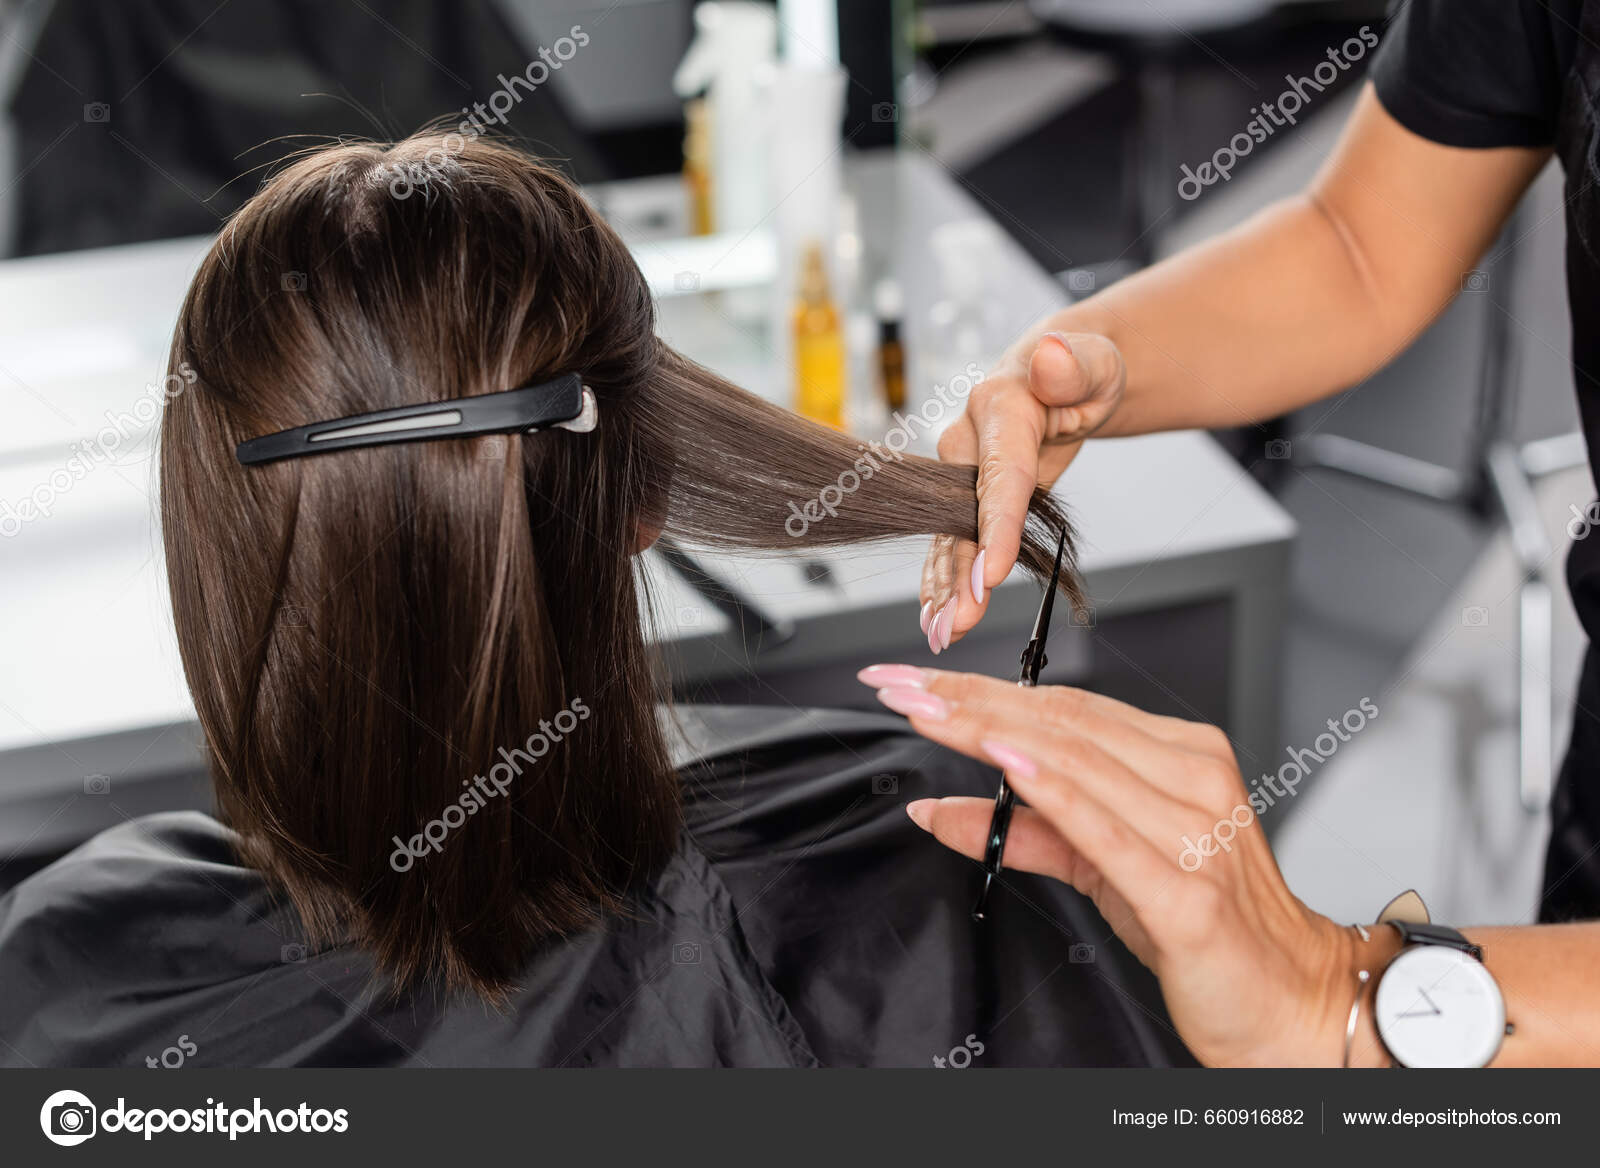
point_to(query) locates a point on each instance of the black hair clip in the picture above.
(1005, 801)
(564, 403)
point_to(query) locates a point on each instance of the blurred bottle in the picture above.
(735, 42)
(887, 305)
(819, 345)
(697, 165)
(960, 319)
(962, 334)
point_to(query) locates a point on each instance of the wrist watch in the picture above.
(1437, 1005)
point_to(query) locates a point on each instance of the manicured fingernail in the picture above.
(1061, 339)
(933, 633)
(977, 575)
(946, 624)
(921, 812)
(884, 676)
(914, 703)
(927, 611)
(1009, 758)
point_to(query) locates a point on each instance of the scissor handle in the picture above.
(994, 852)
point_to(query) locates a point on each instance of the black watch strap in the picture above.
(1428, 934)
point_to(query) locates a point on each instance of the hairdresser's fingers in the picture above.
(1078, 731)
(1079, 377)
(1195, 737)
(1008, 426)
(1032, 845)
(1135, 870)
(937, 569)
(1067, 703)
(1028, 430)
(949, 606)
(1017, 731)
(947, 569)
(964, 608)
(959, 442)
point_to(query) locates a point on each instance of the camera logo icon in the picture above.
(293, 282)
(686, 953)
(885, 111)
(293, 953)
(1279, 449)
(97, 784)
(885, 784)
(1081, 954)
(686, 282)
(67, 1118)
(1080, 281)
(1083, 617)
(97, 111)
(1475, 616)
(1475, 281)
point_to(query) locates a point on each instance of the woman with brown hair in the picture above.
(401, 505)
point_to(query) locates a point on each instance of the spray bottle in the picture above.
(735, 42)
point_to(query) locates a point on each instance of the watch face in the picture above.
(1438, 1007)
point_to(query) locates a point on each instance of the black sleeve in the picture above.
(1477, 73)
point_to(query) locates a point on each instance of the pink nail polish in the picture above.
(914, 703)
(927, 611)
(977, 575)
(1009, 758)
(899, 676)
(946, 624)
(933, 632)
(921, 811)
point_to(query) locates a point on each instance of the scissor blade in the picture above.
(1041, 623)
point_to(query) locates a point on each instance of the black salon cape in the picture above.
(804, 920)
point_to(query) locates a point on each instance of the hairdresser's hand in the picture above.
(1023, 425)
(1130, 808)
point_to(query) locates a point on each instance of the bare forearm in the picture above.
(1547, 976)
(1247, 326)
(1314, 293)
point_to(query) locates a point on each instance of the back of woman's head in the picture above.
(420, 667)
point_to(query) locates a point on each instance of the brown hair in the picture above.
(369, 634)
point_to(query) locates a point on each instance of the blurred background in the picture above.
(846, 206)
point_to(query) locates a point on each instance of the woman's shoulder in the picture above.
(154, 863)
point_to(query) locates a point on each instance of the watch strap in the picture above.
(1408, 906)
(1430, 934)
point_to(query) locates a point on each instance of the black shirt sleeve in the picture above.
(1477, 73)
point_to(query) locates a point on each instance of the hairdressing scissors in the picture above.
(1033, 660)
